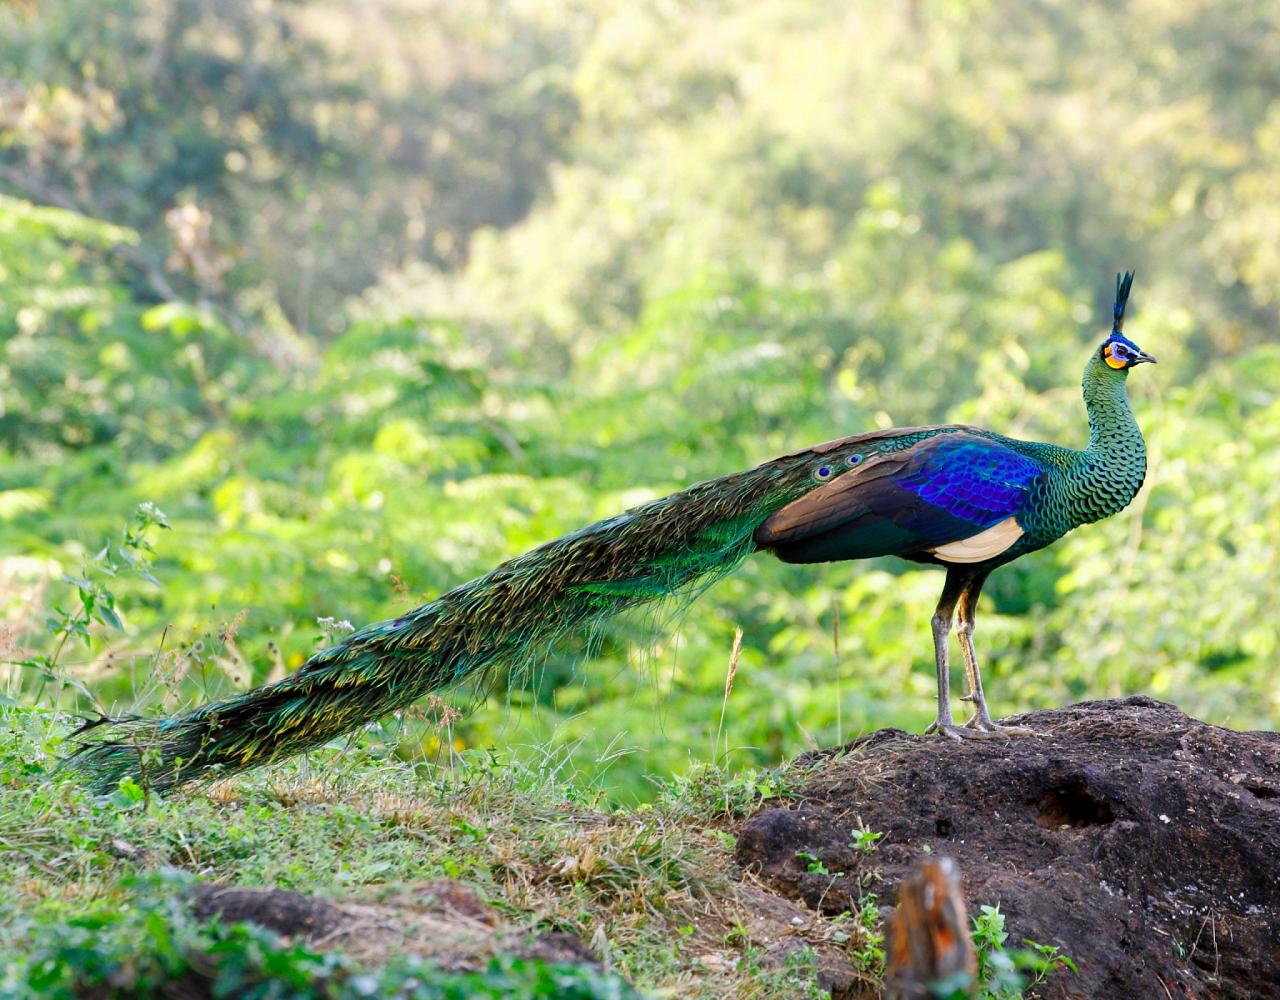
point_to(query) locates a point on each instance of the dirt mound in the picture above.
(1140, 841)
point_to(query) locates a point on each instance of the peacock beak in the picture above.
(1140, 357)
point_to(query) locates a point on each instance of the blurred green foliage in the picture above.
(368, 298)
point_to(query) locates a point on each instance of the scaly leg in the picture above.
(981, 720)
(944, 724)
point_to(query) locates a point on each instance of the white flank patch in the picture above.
(981, 546)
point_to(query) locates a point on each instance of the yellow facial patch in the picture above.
(1111, 359)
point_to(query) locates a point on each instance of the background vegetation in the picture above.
(366, 298)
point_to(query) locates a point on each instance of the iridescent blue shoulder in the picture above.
(974, 477)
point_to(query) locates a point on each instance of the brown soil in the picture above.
(1143, 843)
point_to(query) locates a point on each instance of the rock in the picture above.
(1141, 842)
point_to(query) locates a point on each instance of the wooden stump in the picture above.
(928, 934)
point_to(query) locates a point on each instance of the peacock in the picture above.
(966, 499)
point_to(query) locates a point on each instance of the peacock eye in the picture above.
(822, 473)
(853, 459)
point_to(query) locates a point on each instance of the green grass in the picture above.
(91, 888)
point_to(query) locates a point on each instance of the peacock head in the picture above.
(1118, 352)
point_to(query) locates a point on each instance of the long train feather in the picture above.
(661, 549)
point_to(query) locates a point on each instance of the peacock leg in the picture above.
(981, 720)
(944, 724)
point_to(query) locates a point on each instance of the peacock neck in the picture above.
(1113, 431)
(1109, 472)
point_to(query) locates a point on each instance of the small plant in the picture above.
(1040, 960)
(812, 863)
(1005, 974)
(865, 840)
(870, 957)
(332, 630)
(997, 973)
(738, 935)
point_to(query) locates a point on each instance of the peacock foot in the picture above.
(983, 723)
(981, 719)
(951, 731)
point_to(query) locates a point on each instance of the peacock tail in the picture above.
(507, 617)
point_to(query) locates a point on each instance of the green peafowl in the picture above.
(960, 497)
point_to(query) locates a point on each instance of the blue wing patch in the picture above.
(977, 481)
(937, 491)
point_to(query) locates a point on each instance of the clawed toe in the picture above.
(1011, 730)
(980, 727)
(983, 723)
(951, 731)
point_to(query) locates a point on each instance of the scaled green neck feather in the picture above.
(1109, 472)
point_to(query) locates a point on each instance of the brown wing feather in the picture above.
(838, 501)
